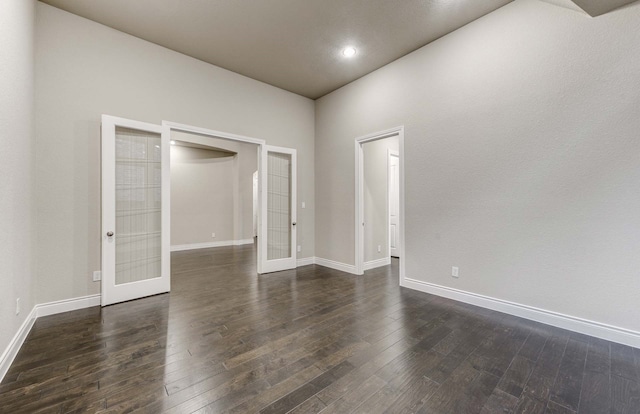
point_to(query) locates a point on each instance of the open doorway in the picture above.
(276, 193)
(380, 200)
(212, 208)
(377, 203)
(212, 192)
(136, 204)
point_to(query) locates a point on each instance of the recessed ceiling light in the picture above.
(349, 51)
(173, 142)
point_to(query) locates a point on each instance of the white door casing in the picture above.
(169, 126)
(265, 264)
(135, 210)
(359, 197)
(394, 203)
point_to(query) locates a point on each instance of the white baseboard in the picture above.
(372, 264)
(305, 261)
(66, 305)
(587, 327)
(343, 267)
(43, 309)
(207, 245)
(14, 346)
(571, 323)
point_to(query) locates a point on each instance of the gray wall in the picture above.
(212, 192)
(376, 198)
(522, 159)
(84, 69)
(16, 127)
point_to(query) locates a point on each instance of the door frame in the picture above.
(359, 196)
(169, 126)
(262, 264)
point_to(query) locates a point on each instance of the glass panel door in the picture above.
(279, 211)
(138, 205)
(278, 206)
(135, 210)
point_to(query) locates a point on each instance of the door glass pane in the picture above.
(278, 206)
(138, 205)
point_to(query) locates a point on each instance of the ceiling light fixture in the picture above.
(349, 51)
(173, 142)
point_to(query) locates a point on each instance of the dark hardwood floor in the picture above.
(307, 341)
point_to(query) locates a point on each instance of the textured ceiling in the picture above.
(292, 44)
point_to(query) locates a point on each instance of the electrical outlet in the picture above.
(213, 235)
(304, 205)
(18, 306)
(97, 275)
(299, 249)
(379, 248)
(454, 271)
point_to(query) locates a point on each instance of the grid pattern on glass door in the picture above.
(278, 206)
(138, 205)
(394, 205)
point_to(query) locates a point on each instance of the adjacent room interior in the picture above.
(437, 210)
(214, 204)
(212, 192)
(381, 202)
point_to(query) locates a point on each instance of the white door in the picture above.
(135, 210)
(278, 216)
(255, 204)
(394, 203)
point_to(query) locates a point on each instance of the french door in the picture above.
(394, 203)
(136, 256)
(135, 210)
(277, 239)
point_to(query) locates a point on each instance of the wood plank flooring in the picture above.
(313, 340)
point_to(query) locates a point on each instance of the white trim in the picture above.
(43, 309)
(306, 261)
(572, 323)
(67, 305)
(359, 209)
(372, 264)
(14, 346)
(207, 245)
(359, 196)
(211, 133)
(332, 264)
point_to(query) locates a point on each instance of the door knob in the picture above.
(109, 234)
